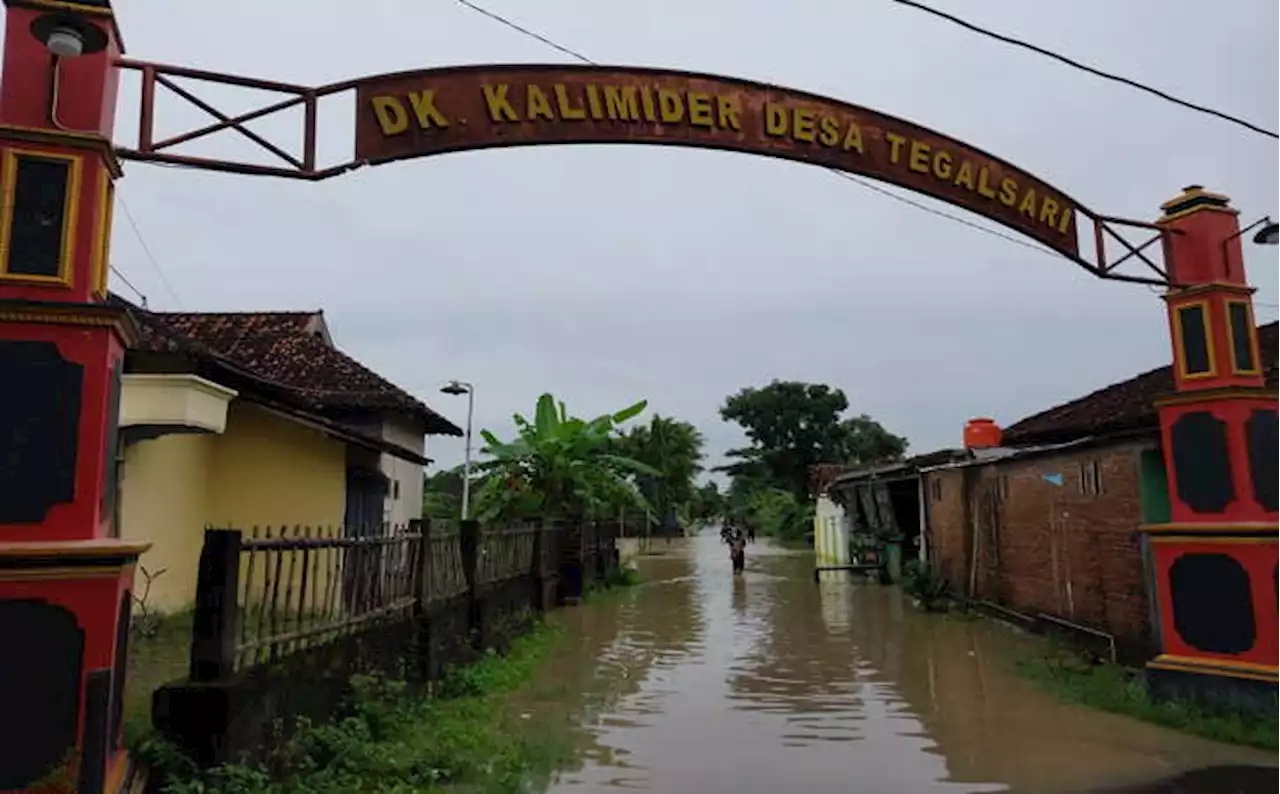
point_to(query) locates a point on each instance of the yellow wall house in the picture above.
(256, 420)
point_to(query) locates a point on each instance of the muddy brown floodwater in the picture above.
(699, 682)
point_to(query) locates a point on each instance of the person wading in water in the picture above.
(738, 551)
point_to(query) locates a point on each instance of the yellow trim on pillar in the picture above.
(42, 574)
(66, 5)
(70, 212)
(1217, 395)
(96, 547)
(102, 239)
(1183, 538)
(1179, 350)
(1208, 287)
(86, 314)
(1209, 526)
(1218, 667)
(1251, 330)
(70, 139)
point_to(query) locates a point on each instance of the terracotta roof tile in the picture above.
(287, 349)
(1120, 407)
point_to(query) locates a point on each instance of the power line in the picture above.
(869, 185)
(146, 249)
(129, 284)
(1085, 67)
(525, 31)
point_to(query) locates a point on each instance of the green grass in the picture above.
(154, 660)
(1119, 689)
(616, 582)
(392, 740)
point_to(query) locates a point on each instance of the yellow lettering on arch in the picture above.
(593, 101)
(393, 119)
(495, 100)
(1008, 191)
(942, 164)
(1049, 212)
(964, 176)
(830, 134)
(621, 103)
(918, 160)
(896, 142)
(804, 125)
(1064, 221)
(853, 138)
(424, 107)
(1028, 204)
(670, 106)
(775, 120)
(567, 111)
(727, 113)
(537, 105)
(700, 109)
(646, 100)
(984, 187)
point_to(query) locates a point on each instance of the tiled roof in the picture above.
(1121, 407)
(288, 350)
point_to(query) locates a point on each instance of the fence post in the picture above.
(469, 542)
(422, 528)
(425, 653)
(535, 566)
(213, 627)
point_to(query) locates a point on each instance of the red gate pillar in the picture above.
(1214, 563)
(65, 577)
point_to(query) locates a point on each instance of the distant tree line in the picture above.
(561, 464)
(606, 467)
(792, 426)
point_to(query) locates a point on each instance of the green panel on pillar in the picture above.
(1154, 487)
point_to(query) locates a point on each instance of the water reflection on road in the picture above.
(701, 682)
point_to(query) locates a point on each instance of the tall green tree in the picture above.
(558, 464)
(442, 494)
(792, 426)
(708, 503)
(674, 450)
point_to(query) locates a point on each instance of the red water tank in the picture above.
(982, 433)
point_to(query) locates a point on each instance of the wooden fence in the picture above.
(285, 616)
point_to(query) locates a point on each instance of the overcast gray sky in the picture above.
(606, 274)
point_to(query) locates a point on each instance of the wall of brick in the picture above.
(947, 533)
(1070, 551)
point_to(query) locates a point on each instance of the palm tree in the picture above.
(559, 465)
(674, 450)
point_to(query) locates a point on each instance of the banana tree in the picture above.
(558, 465)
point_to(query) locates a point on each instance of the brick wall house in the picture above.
(1048, 528)
(1007, 532)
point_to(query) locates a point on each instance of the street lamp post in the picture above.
(456, 387)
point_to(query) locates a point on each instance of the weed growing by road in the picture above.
(1119, 689)
(616, 582)
(392, 740)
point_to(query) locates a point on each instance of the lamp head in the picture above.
(68, 35)
(1268, 234)
(455, 388)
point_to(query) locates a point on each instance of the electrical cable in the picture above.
(129, 284)
(525, 31)
(868, 184)
(1084, 67)
(146, 249)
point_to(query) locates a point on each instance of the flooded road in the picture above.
(698, 682)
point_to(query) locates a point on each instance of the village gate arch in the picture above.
(62, 346)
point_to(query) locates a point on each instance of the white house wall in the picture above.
(830, 533)
(404, 491)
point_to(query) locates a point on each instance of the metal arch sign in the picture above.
(415, 114)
